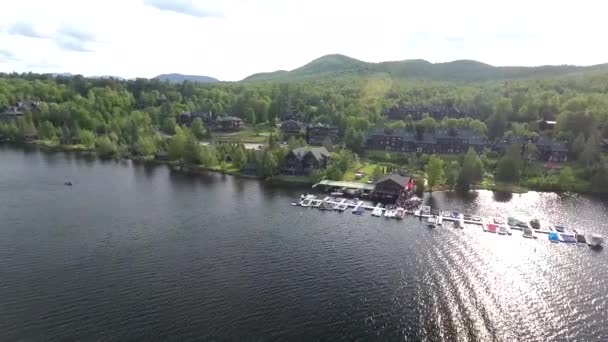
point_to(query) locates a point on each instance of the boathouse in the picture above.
(391, 186)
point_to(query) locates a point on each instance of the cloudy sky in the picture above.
(231, 39)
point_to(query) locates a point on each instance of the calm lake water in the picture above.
(133, 252)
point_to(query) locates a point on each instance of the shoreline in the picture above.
(277, 180)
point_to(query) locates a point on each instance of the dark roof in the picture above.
(397, 178)
(317, 152)
(473, 137)
(550, 144)
(13, 110)
(290, 121)
(228, 118)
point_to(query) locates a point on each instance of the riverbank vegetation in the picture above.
(139, 119)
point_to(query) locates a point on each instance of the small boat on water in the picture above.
(594, 240)
(67, 183)
(567, 237)
(439, 220)
(389, 213)
(529, 233)
(359, 210)
(296, 202)
(553, 237)
(580, 237)
(432, 222)
(499, 220)
(560, 228)
(514, 222)
(491, 228)
(377, 211)
(504, 230)
(399, 213)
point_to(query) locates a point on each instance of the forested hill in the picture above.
(461, 70)
(179, 78)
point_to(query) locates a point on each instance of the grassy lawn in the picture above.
(247, 135)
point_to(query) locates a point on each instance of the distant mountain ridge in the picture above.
(459, 70)
(179, 78)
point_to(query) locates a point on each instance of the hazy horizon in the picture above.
(230, 40)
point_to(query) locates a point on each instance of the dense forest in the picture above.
(139, 117)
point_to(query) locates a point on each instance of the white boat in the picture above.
(337, 193)
(439, 220)
(432, 222)
(377, 211)
(399, 213)
(389, 213)
(594, 240)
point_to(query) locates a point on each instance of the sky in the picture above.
(232, 39)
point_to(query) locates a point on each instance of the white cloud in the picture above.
(232, 39)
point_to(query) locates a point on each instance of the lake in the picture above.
(134, 252)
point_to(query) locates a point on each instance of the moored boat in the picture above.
(504, 230)
(529, 233)
(377, 211)
(399, 213)
(359, 210)
(553, 237)
(594, 240)
(491, 228)
(567, 237)
(432, 222)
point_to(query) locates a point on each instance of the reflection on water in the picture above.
(133, 251)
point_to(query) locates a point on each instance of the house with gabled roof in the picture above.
(303, 161)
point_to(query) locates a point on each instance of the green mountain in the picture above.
(179, 78)
(461, 70)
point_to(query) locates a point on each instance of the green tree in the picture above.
(452, 171)
(46, 130)
(239, 156)
(198, 129)
(104, 147)
(177, 144)
(434, 171)
(508, 169)
(269, 164)
(377, 173)
(497, 124)
(420, 187)
(354, 140)
(566, 178)
(191, 149)
(470, 173)
(578, 145)
(590, 155)
(169, 125)
(87, 138)
(145, 146)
